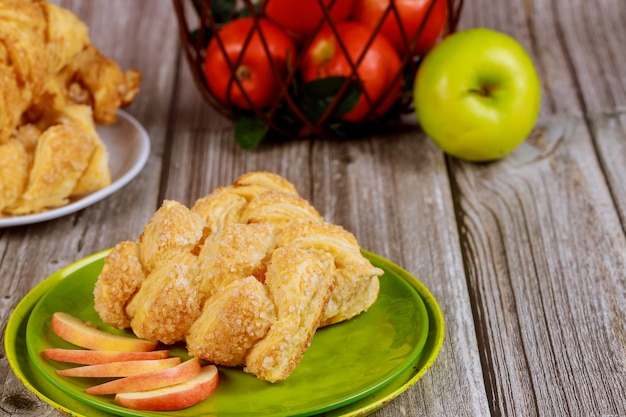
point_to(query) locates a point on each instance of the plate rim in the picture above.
(96, 196)
(28, 303)
(361, 407)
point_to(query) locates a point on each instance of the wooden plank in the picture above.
(609, 134)
(593, 34)
(539, 247)
(541, 238)
(544, 257)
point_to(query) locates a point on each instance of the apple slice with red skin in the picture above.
(94, 357)
(79, 333)
(121, 369)
(175, 397)
(150, 380)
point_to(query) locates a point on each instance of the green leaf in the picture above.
(324, 87)
(285, 119)
(222, 11)
(320, 93)
(250, 131)
(349, 99)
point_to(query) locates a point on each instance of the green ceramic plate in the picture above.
(351, 369)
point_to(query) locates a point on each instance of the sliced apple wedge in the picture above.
(94, 357)
(175, 397)
(81, 334)
(121, 369)
(186, 371)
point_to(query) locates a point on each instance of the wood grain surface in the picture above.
(526, 256)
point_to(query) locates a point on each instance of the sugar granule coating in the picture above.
(280, 209)
(220, 208)
(172, 230)
(299, 283)
(263, 181)
(120, 278)
(356, 281)
(14, 166)
(231, 322)
(236, 252)
(168, 302)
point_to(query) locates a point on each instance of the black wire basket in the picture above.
(300, 107)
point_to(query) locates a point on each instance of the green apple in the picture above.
(477, 94)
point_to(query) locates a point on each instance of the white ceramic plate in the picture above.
(128, 145)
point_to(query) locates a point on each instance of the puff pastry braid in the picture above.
(244, 277)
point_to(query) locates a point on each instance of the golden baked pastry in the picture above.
(356, 285)
(62, 155)
(299, 282)
(96, 175)
(168, 301)
(279, 209)
(174, 229)
(232, 321)
(120, 278)
(220, 208)
(55, 85)
(245, 277)
(236, 252)
(254, 183)
(226, 204)
(14, 165)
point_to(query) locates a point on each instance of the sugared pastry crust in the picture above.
(62, 155)
(356, 285)
(279, 209)
(169, 301)
(245, 277)
(14, 166)
(299, 283)
(56, 85)
(173, 230)
(97, 175)
(220, 208)
(255, 183)
(236, 252)
(120, 278)
(225, 205)
(231, 322)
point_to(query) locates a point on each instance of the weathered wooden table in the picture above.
(526, 256)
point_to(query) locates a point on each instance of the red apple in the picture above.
(300, 18)
(119, 369)
(246, 61)
(81, 334)
(331, 54)
(93, 357)
(150, 380)
(410, 24)
(174, 397)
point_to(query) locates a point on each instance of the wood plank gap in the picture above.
(166, 160)
(478, 314)
(594, 126)
(569, 61)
